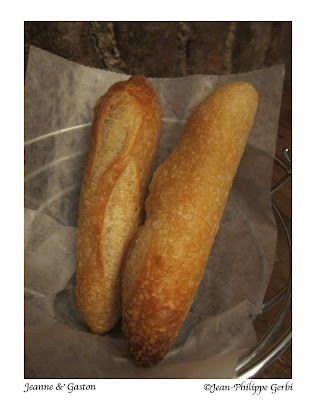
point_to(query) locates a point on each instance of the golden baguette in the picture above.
(124, 140)
(166, 257)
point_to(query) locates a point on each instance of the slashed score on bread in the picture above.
(123, 144)
(166, 257)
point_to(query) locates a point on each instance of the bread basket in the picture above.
(264, 353)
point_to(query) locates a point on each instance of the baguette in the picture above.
(124, 140)
(166, 257)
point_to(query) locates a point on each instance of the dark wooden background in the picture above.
(171, 49)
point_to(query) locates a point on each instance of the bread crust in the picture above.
(123, 143)
(188, 194)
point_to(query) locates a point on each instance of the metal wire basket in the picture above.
(263, 355)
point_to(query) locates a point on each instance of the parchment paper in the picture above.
(59, 100)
